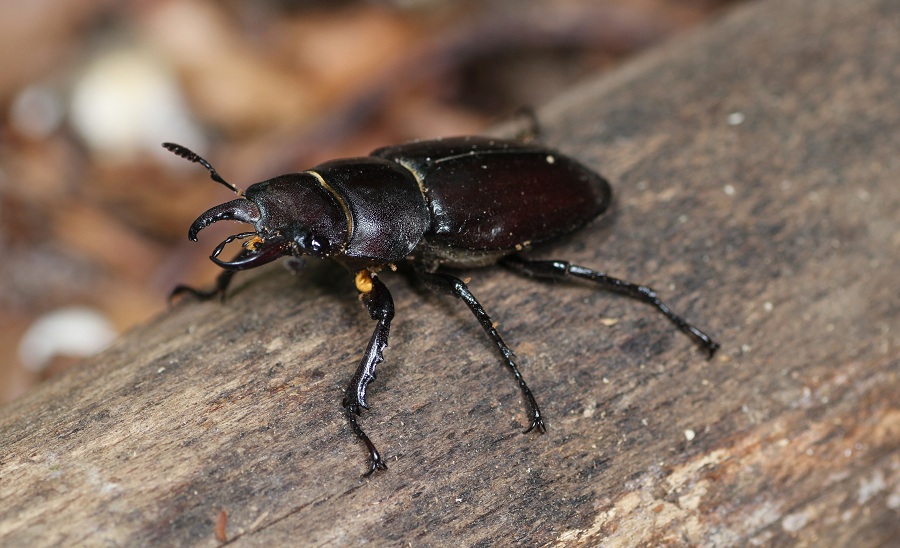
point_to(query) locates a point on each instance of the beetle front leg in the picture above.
(446, 283)
(378, 301)
(223, 280)
(562, 269)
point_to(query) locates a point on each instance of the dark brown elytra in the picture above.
(438, 204)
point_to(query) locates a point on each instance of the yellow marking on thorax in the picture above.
(364, 282)
(339, 199)
(416, 175)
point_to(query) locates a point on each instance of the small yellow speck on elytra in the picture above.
(364, 281)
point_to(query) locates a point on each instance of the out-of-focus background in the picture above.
(94, 213)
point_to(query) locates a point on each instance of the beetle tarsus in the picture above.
(200, 294)
(440, 281)
(557, 270)
(375, 460)
(223, 280)
(537, 421)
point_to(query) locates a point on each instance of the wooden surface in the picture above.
(755, 170)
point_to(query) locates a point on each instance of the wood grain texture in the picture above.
(755, 172)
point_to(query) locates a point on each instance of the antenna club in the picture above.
(192, 156)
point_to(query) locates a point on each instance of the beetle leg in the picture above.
(446, 283)
(378, 301)
(223, 280)
(562, 269)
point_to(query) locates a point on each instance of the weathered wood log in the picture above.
(755, 170)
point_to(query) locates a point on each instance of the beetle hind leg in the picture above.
(375, 460)
(451, 285)
(557, 270)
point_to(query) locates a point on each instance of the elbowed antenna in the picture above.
(192, 156)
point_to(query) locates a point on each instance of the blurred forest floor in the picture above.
(94, 213)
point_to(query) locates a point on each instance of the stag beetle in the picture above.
(456, 202)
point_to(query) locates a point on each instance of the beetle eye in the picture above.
(319, 246)
(312, 245)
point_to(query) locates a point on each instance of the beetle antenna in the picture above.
(192, 156)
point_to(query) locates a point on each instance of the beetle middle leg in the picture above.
(446, 283)
(378, 301)
(563, 269)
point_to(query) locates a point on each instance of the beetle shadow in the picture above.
(301, 283)
(325, 278)
(575, 242)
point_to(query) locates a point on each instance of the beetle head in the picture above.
(292, 215)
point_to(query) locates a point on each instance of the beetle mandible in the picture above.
(436, 204)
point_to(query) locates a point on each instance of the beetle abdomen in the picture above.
(493, 195)
(512, 200)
